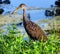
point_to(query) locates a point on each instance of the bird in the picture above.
(33, 30)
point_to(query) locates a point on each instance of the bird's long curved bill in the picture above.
(16, 10)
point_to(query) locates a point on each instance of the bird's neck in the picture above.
(25, 18)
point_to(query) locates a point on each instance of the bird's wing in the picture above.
(34, 30)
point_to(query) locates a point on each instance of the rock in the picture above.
(6, 2)
(0, 1)
(1, 11)
(57, 3)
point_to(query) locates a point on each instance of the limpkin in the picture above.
(32, 29)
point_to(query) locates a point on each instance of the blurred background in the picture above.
(47, 17)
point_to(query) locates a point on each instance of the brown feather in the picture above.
(34, 31)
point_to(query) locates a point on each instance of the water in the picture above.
(35, 14)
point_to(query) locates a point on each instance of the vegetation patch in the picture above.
(15, 44)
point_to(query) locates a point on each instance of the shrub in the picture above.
(15, 44)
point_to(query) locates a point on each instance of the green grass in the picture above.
(15, 44)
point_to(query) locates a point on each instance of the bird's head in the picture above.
(21, 6)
